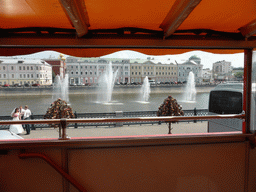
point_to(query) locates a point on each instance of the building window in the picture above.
(12, 75)
(31, 68)
(132, 73)
(12, 67)
(27, 67)
(81, 73)
(32, 75)
(3, 67)
(28, 75)
(19, 67)
(77, 73)
(86, 73)
(24, 75)
(90, 73)
(37, 75)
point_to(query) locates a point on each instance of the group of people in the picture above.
(20, 114)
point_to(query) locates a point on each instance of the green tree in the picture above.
(239, 74)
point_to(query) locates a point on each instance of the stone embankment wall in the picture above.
(14, 91)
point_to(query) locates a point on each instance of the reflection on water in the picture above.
(88, 103)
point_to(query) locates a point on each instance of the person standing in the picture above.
(27, 114)
(16, 128)
(21, 112)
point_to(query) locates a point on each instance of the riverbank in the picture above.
(83, 90)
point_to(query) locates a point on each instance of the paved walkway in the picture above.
(199, 127)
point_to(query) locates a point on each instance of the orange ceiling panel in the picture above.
(31, 13)
(105, 14)
(221, 15)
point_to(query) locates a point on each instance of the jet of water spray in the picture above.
(145, 90)
(190, 89)
(60, 88)
(106, 85)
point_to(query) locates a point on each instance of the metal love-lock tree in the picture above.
(59, 109)
(170, 107)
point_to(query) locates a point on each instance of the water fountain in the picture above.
(190, 89)
(145, 91)
(106, 85)
(60, 88)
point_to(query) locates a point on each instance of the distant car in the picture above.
(35, 85)
(72, 84)
(26, 85)
(17, 85)
(6, 85)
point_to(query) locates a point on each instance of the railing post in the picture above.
(63, 128)
(32, 126)
(75, 118)
(195, 114)
(119, 114)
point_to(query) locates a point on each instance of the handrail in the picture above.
(55, 166)
(90, 120)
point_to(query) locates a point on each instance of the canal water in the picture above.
(87, 103)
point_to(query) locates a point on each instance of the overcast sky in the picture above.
(207, 59)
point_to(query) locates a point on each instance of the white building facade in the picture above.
(89, 70)
(188, 66)
(25, 71)
(221, 67)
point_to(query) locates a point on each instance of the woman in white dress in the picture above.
(16, 128)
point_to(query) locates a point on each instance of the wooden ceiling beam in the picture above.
(77, 13)
(104, 41)
(249, 29)
(178, 13)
